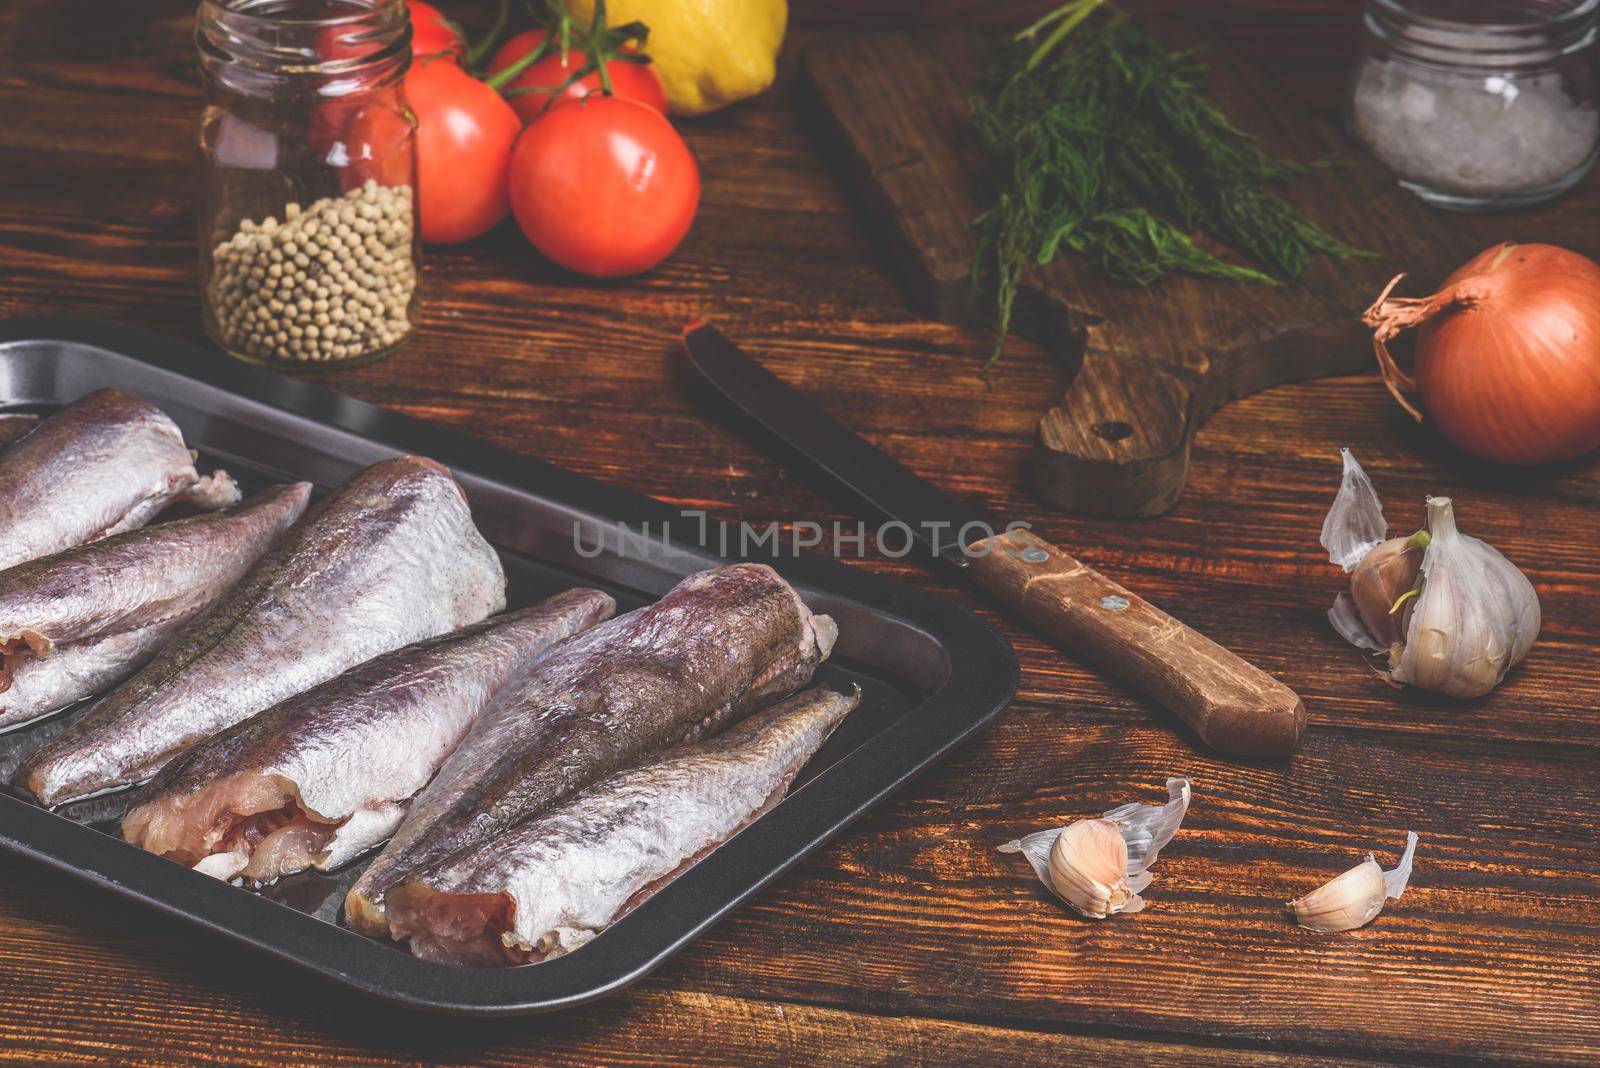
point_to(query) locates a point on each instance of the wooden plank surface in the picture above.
(909, 940)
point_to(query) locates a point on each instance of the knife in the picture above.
(1233, 706)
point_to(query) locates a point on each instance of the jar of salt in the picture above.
(1479, 104)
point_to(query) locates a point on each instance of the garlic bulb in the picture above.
(1099, 866)
(1451, 613)
(1354, 898)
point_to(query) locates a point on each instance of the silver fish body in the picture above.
(389, 558)
(76, 622)
(555, 881)
(717, 646)
(73, 672)
(325, 775)
(105, 463)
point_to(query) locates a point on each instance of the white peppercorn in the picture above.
(276, 290)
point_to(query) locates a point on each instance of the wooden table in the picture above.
(910, 939)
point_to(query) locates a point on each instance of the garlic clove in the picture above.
(1089, 868)
(1100, 866)
(1379, 581)
(1352, 530)
(1354, 898)
(1345, 902)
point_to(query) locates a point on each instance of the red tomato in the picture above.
(432, 33)
(604, 186)
(635, 81)
(364, 140)
(465, 131)
(360, 135)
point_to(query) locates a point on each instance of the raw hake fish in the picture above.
(15, 424)
(77, 622)
(554, 882)
(324, 776)
(389, 558)
(719, 645)
(103, 464)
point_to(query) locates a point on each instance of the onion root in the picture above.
(1388, 316)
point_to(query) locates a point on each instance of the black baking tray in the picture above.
(930, 671)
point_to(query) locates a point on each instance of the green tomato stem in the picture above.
(491, 41)
(505, 77)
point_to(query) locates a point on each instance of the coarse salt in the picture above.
(1474, 134)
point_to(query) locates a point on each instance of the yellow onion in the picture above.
(1508, 353)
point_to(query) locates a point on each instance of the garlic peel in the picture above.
(1398, 878)
(1100, 866)
(1036, 848)
(1148, 828)
(1354, 525)
(1346, 620)
(1354, 898)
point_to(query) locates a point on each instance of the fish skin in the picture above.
(76, 622)
(556, 880)
(13, 425)
(105, 463)
(348, 754)
(717, 646)
(140, 576)
(389, 558)
(40, 688)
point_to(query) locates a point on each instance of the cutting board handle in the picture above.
(1232, 705)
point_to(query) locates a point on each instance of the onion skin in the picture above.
(1508, 353)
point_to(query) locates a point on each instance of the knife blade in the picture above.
(1232, 705)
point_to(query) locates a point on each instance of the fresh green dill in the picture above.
(1103, 144)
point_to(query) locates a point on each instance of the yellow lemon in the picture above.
(709, 52)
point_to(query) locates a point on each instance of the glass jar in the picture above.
(309, 250)
(1479, 104)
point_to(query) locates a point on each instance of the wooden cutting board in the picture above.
(1147, 364)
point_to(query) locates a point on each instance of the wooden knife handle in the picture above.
(1233, 706)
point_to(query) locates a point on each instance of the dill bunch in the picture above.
(1103, 143)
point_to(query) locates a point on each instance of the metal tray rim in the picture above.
(980, 682)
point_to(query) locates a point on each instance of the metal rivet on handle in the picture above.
(1035, 556)
(1113, 602)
